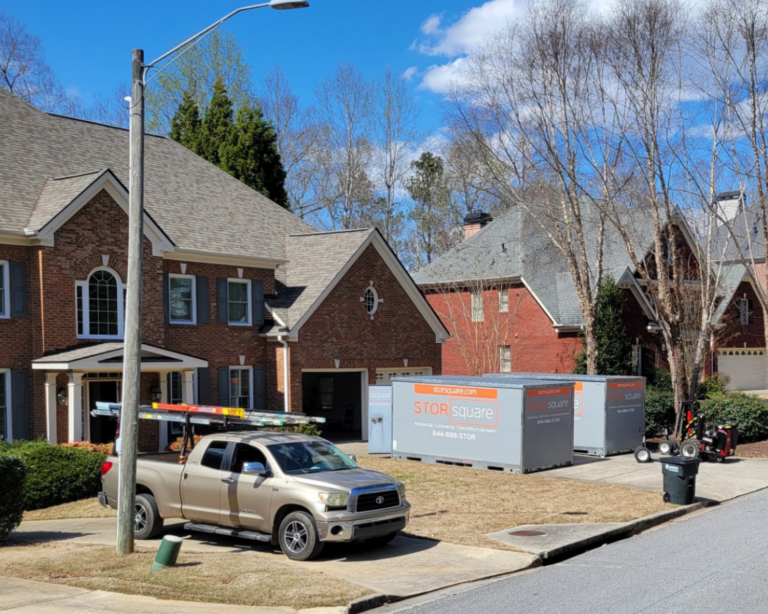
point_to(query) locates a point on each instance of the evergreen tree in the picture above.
(250, 154)
(614, 347)
(216, 125)
(186, 125)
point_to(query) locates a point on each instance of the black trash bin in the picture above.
(679, 479)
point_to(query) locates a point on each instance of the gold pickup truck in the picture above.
(293, 490)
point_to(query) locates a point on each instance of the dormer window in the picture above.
(100, 305)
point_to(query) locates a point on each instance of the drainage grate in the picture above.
(527, 533)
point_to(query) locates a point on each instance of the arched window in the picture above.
(100, 305)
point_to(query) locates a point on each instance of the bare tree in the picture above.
(297, 136)
(24, 71)
(395, 134)
(524, 105)
(343, 150)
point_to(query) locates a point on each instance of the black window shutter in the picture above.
(166, 298)
(223, 299)
(18, 289)
(258, 302)
(224, 386)
(204, 396)
(260, 389)
(203, 303)
(20, 403)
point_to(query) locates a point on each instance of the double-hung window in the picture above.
(477, 306)
(239, 302)
(100, 305)
(503, 300)
(182, 299)
(5, 291)
(4, 405)
(240, 387)
(745, 311)
(505, 359)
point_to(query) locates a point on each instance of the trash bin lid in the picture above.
(680, 460)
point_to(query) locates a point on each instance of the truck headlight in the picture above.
(334, 499)
(401, 491)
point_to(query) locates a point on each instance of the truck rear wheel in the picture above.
(298, 537)
(147, 522)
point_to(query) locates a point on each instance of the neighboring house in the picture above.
(230, 280)
(507, 296)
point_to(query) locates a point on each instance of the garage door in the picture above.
(384, 376)
(746, 368)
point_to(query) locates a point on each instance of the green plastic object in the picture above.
(168, 552)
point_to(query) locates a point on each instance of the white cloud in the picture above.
(431, 25)
(409, 73)
(471, 30)
(440, 77)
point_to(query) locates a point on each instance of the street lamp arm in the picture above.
(202, 33)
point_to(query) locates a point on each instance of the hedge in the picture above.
(12, 476)
(56, 474)
(659, 411)
(748, 414)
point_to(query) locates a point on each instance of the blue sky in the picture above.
(88, 43)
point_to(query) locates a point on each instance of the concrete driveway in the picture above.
(717, 482)
(404, 568)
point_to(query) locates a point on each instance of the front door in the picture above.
(102, 430)
(246, 499)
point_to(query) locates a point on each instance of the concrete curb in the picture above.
(626, 530)
(369, 602)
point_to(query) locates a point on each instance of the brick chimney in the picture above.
(475, 221)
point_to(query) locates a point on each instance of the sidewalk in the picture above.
(27, 597)
(404, 568)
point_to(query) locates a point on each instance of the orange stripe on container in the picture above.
(616, 385)
(456, 391)
(546, 392)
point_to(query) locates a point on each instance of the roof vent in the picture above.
(475, 221)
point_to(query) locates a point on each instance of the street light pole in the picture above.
(126, 500)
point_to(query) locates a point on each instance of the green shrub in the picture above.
(12, 476)
(303, 429)
(748, 414)
(659, 411)
(713, 386)
(56, 474)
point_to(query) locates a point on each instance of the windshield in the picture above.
(310, 457)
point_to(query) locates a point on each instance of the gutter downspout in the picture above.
(286, 379)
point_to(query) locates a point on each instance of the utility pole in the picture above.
(126, 499)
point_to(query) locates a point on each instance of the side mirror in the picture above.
(255, 469)
(352, 457)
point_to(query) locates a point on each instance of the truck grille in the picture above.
(378, 500)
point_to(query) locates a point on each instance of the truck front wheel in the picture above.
(147, 522)
(298, 537)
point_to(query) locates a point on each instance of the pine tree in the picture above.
(614, 347)
(186, 125)
(250, 154)
(216, 125)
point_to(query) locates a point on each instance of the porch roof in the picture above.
(109, 357)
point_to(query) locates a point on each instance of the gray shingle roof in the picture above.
(196, 204)
(57, 194)
(514, 246)
(79, 353)
(314, 261)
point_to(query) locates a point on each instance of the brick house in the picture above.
(243, 303)
(507, 297)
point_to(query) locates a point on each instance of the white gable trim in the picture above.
(97, 362)
(628, 280)
(108, 182)
(407, 283)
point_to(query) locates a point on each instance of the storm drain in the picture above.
(527, 533)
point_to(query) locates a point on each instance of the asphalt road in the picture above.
(716, 561)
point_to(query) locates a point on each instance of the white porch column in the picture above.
(164, 392)
(187, 387)
(50, 407)
(75, 390)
